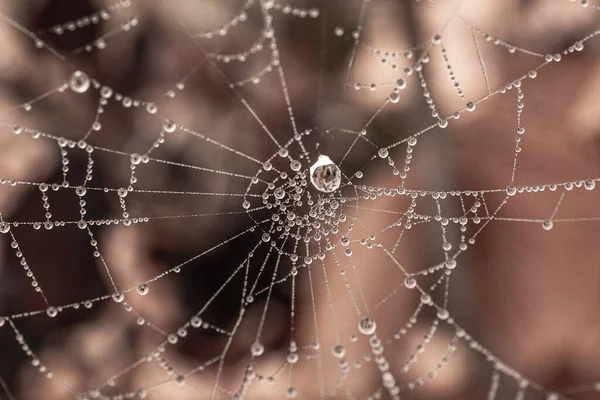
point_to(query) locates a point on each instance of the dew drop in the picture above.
(367, 326)
(106, 92)
(338, 351)
(291, 393)
(292, 357)
(151, 108)
(451, 263)
(196, 321)
(79, 82)
(295, 165)
(279, 193)
(589, 184)
(443, 314)
(4, 227)
(283, 152)
(52, 311)
(169, 126)
(118, 297)
(142, 289)
(325, 175)
(257, 349)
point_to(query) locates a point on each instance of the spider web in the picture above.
(238, 195)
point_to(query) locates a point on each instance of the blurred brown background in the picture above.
(527, 295)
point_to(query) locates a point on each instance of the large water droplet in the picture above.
(325, 175)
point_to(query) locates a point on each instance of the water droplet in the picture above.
(196, 321)
(122, 192)
(118, 297)
(547, 224)
(367, 326)
(295, 165)
(80, 191)
(511, 190)
(169, 126)
(410, 282)
(292, 357)
(338, 351)
(383, 152)
(79, 82)
(4, 227)
(172, 338)
(257, 349)
(279, 193)
(283, 152)
(142, 289)
(589, 184)
(106, 92)
(291, 393)
(443, 314)
(151, 108)
(325, 175)
(52, 311)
